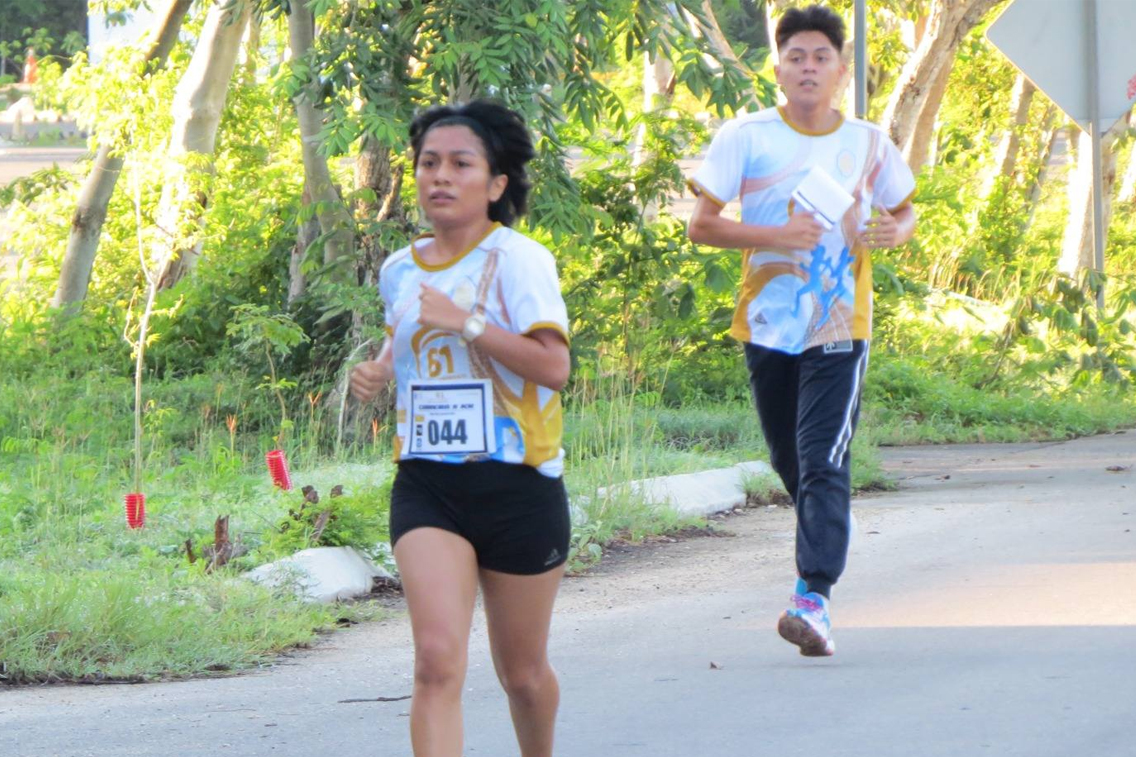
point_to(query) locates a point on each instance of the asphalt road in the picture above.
(989, 609)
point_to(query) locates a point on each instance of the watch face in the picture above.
(474, 327)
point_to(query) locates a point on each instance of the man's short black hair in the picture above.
(815, 18)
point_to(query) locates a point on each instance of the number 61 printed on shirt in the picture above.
(451, 417)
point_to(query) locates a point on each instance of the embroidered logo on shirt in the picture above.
(846, 162)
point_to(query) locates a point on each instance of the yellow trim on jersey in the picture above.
(455, 259)
(808, 132)
(862, 304)
(552, 327)
(701, 191)
(906, 201)
(540, 429)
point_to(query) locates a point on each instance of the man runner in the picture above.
(805, 307)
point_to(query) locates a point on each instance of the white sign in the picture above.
(1049, 41)
(453, 417)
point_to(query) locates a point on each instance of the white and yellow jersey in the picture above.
(512, 280)
(793, 301)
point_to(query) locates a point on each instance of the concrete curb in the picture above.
(700, 494)
(321, 574)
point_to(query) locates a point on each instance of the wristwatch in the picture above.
(473, 328)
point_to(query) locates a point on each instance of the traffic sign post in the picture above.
(1059, 46)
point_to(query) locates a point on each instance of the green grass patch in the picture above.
(122, 623)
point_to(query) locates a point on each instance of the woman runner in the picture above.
(477, 343)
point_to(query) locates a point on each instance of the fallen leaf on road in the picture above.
(1117, 468)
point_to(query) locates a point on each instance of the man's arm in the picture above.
(708, 226)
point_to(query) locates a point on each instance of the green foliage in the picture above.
(538, 56)
(357, 519)
(652, 297)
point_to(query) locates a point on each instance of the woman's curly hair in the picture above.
(508, 147)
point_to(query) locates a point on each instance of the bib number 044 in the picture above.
(451, 417)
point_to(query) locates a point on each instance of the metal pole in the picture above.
(1093, 40)
(860, 23)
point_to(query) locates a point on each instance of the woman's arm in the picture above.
(540, 356)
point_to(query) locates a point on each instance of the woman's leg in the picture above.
(519, 612)
(439, 577)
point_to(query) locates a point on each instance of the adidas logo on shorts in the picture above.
(553, 556)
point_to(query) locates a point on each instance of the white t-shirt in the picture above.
(512, 280)
(807, 298)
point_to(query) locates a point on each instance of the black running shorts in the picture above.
(515, 517)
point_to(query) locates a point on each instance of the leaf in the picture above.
(717, 278)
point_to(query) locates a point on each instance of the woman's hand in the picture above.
(439, 312)
(368, 377)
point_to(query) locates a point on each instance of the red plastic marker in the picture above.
(278, 469)
(135, 510)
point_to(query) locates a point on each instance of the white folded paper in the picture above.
(820, 194)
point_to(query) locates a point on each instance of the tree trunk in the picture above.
(90, 212)
(306, 233)
(334, 218)
(374, 171)
(197, 106)
(919, 150)
(658, 92)
(1077, 252)
(252, 46)
(1007, 155)
(1047, 143)
(1005, 163)
(949, 22)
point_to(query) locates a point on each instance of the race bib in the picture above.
(451, 417)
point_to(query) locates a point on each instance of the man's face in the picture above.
(810, 69)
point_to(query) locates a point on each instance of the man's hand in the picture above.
(368, 377)
(882, 230)
(439, 312)
(802, 232)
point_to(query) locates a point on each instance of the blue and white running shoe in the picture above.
(807, 625)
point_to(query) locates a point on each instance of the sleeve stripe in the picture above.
(701, 191)
(550, 325)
